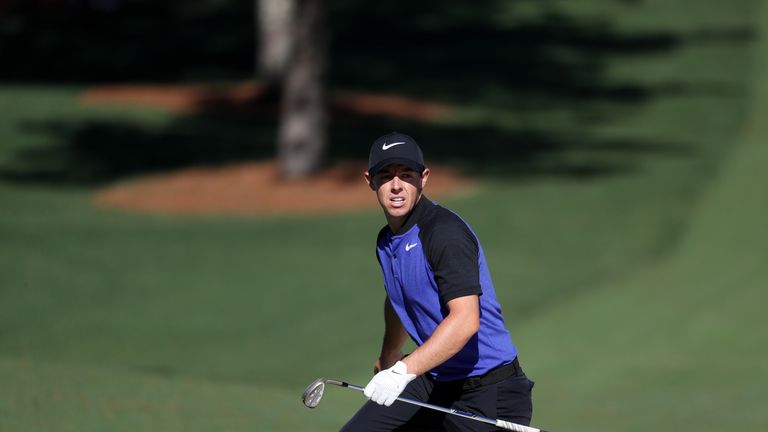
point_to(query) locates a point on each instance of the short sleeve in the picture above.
(453, 252)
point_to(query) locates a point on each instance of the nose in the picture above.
(396, 183)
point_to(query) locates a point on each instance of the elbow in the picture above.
(470, 325)
(469, 329)
(464, 316)
(473, 326)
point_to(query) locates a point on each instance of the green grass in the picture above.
(75, 398)
(634, 294)
(679, 345)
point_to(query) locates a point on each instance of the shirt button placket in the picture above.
(395, 266)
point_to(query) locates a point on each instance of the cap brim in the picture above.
(402, 161)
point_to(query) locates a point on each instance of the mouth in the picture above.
(397, 201)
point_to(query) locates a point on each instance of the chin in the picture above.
(397, 212)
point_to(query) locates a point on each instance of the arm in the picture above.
(450, 336)
(394, 338)
(453, 252)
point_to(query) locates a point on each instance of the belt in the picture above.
(493, 376)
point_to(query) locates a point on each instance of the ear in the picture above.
(369, 180)
(424, 177)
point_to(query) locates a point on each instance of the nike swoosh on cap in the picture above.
(386, 146)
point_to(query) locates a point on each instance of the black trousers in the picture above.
(507, 399)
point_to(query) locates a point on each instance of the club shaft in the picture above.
(498, 423)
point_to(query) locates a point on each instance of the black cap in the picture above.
(395, 148)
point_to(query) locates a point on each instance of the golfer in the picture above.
(440, 294)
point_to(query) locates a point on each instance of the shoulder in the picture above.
(445, 229)
(381, 234)
(443, 223)
(379, 240)
(453, 253)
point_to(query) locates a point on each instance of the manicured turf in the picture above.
(680, 345)
(630, 270)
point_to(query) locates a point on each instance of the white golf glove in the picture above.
(387, 385)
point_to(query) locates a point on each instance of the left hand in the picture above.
(387, 385)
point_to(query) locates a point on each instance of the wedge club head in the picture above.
(313, 393)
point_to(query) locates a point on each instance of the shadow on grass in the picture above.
(94, 153)
(462, 55)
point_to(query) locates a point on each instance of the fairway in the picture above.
(683, 339)
(627, 243)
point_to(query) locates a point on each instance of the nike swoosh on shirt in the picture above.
(410, 246)
(386, 146)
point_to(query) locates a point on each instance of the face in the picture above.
(398, 189)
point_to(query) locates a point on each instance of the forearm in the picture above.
(450, 336)
(394, 337)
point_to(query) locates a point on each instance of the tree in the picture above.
(274, 20)
(302, 132)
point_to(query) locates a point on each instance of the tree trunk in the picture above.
(303, 123)
(274, 20)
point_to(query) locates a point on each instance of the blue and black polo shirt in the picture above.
(433, 258)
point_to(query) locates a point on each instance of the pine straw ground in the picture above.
(255, 188)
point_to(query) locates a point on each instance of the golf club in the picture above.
(314, 392)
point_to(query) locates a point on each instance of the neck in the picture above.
(396, 222)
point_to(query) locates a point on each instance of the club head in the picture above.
(313, 393)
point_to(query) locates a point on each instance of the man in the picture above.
(438, 292)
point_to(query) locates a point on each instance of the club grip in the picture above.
(515, 427)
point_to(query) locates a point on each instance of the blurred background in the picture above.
(184, 244)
